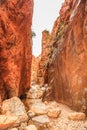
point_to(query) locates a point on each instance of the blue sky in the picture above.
(45, 13)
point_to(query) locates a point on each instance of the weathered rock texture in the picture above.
(34, 68)
(67, 68)
(15, 46)
(42, 69)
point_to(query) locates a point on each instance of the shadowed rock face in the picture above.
(68, 65)
(15, 46)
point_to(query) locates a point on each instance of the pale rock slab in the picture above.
(42, 119)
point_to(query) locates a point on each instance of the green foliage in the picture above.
(33, 34)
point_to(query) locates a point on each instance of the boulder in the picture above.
(31, 127)
(77, 116)
(14, 107)
(39, 108)
(54, 113)
(42, 119)
(7, 121)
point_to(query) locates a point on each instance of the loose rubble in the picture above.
(39, 115)
(35, 92)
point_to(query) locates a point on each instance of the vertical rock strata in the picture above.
(15, 46)
(44, 58)
(34, 69)
(67, 67)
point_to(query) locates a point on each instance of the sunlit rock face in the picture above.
(34, 69)
(42, 70)
(67, 68)
(15, 46)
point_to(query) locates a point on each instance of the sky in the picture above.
(45, 13)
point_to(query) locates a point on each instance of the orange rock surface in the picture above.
(15, 47)
(67, 67)
(41, 73)
(34, 68)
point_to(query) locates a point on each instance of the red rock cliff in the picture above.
(15, 46)
(41, 73)
(34, 68)
(68, 65)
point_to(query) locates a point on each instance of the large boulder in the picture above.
(15, 47)
(14, 107)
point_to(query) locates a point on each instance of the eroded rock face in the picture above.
(42, 69)
(68, 65)
(34, 68)
(15, 46)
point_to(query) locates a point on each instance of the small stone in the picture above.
(22, 126)
(31, 127)
(77, 116)
(30, 114)
(35, 92)
(54, 113)
(46, 103)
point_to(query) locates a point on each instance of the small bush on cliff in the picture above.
(33, 34)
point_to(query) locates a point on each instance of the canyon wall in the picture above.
(34, 68)
(67, 67)
(41, 73)
(15, 47)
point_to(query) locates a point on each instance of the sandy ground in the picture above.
(63, 123)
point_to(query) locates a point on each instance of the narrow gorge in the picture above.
(48, 92)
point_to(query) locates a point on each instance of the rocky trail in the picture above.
(33, 114)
